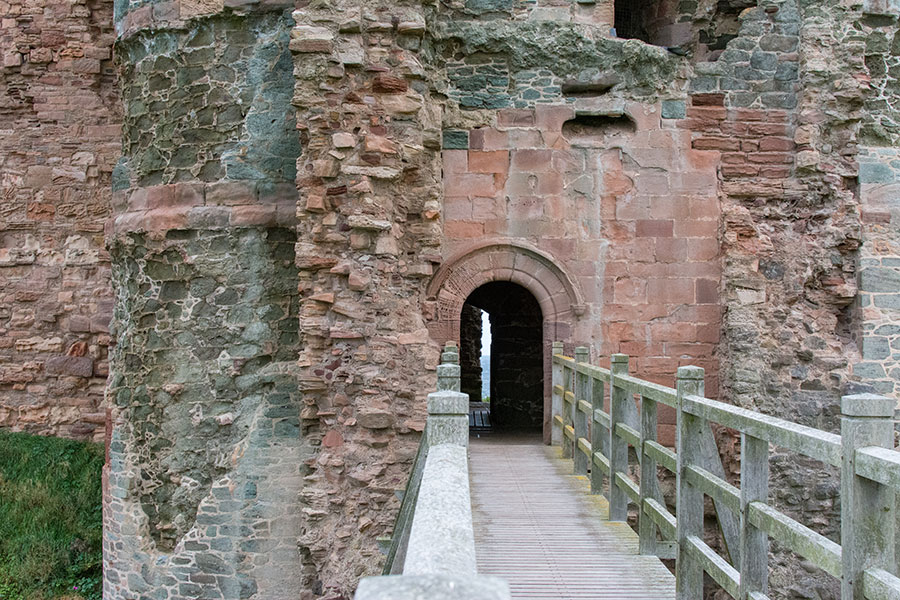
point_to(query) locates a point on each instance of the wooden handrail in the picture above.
(600, 440)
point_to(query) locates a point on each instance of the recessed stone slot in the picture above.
(591, 86)
(587, 127)
(516, 355)
(658, 23)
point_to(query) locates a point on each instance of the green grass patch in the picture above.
(50, 518)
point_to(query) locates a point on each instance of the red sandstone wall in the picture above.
(59, 140)
(631, 216)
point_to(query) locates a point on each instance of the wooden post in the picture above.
(567, 412)
(556, 431)
(754, 542)
(649, 482)
(867, 507)
(618, 448)
(689, 508)
(599, 435)
(580, 420)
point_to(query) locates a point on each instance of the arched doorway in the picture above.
(516, 362)
(559, 300)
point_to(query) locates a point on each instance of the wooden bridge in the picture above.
(506, 517)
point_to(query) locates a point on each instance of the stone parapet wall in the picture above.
(60, 119)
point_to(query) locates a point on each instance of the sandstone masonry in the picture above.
(286, 208)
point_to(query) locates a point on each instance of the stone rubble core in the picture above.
(262, 219)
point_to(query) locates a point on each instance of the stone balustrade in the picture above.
(432, 553)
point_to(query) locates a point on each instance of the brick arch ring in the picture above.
(560, 299)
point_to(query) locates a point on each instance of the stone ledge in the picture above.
(201, 217)
(175, 14)
(196, 194)
(433, 587)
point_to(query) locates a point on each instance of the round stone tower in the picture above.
(205, 455)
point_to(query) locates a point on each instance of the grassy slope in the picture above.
(50, 517)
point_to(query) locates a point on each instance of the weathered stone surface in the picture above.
(70, 365)
(696, 209)
(56, 86)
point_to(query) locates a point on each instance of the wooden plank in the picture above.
(717, 567)
(570, 433)
(665, 457)
(601, 418)
(581, 418)
(599, 435)
(659, 393)
(811, 442)
(598, 373)
(878, 584)
(754, 541)
(399, 538)
(714, 487)
(662, 517)
(708, 458)
(585, 407)
(630, 488)
(816, 548)
(649, 481)
(689, 503)
(621, 405)
(520, 491)
(601, 461)
(879, 464)
(628, 434)
(585, 446)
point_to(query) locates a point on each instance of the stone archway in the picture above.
(560, 300)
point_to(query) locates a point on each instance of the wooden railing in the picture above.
(598, 441)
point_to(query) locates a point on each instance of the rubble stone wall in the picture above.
(308, 194)
(60, 121)
(369, 235)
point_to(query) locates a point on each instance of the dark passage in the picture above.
(516, 381)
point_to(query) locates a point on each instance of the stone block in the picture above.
(890, 301)
(872, 172)
(77, 366)
(455, 139)
(375, 419)
(880, 280)
(889, 8)
(875, 348)
(869, 370)
(674, 109)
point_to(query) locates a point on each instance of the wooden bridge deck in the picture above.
(538, 527)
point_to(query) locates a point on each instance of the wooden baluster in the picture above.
(618, 448)
(754, 542)
(567, 411)
(599, 435)
(556, 400)
(580, 420)
(649, 481)
(689, 509)
(867, 507)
